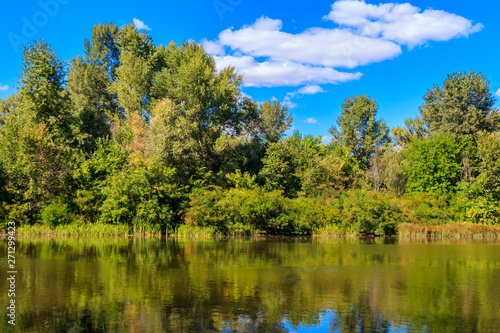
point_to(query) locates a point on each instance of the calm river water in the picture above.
(254, 285)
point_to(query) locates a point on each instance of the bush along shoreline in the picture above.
(217, 212)
(137, 137)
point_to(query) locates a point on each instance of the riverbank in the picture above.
(405, 230)
(455, 230)
(219, 212)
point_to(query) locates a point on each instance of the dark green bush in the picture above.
(356, 211)
(429, 209)
(368, 212)
(146, 198)
(434, 164)
(55, 214)
(246, 211)
(234, 210)
(89, 174)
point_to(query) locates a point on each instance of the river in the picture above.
(253, 285)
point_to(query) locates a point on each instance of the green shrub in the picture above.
(243, 181)
(434, 163)
(482, 209)
(237, 211)
(146, 198)
(429, 209)
(56, 213)
(368, 212)
(90, 173)
(380, 213)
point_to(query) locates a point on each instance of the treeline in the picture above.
(157, 138)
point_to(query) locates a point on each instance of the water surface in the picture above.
(254, 285)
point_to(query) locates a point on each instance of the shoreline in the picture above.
(403, 231)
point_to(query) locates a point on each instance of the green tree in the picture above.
(463, 106)
(171, 135)
(147, 198)
(134, 74)
(8, 106)
(414, 129)
(261, 125)
(305, 167)
(90, 78)
(282, 164)
(89, 173)
(87, 86)
(35, 135)
(194, 107)
(393, 176)
(35, 166)
(358, 130)
(42, 94)
(274, 120)
(488, 168)
(103, 50)
(434, 164)
(482, 193)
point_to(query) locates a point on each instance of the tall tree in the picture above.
(91, 103)
(393, 175)
(359, 130)
(435, 163)
(303, 166)
(35, 134)
(89, 81)
(488, 166)
(194, 107)
(134, 75)
(414, 129)
(463, 106)
(274, 120)
(262, 125)
(8, 106)
(41, 91)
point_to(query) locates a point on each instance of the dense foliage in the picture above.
(156, 137)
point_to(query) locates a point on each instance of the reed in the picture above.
(191, 231)
(74, 229)
(452, 230)
(334, 230)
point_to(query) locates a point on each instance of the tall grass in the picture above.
(191, 231)
(334, 230)
(74, 229)
(452, 230)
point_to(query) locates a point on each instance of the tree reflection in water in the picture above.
(255, 285)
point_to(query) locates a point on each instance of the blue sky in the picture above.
(310, 56)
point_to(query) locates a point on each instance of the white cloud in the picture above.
(310, 121)
(366, 33)
(286, 73)
(288, 102)
(310, 90)
(307, 90)
(326, 139)
(140, 25)
(4, 88)
(213, 48)
(315, 46)
(402, 23)
(243, 95)
(497, 93)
